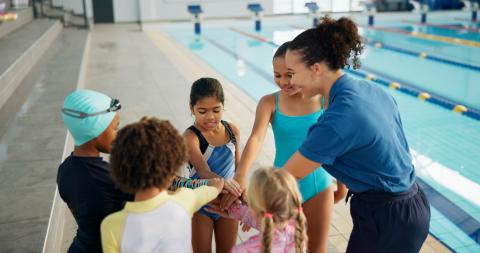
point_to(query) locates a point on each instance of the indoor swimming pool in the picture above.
(430, 69)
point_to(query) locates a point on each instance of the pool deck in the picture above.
(151, 75)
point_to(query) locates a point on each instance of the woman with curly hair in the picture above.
(359, 140)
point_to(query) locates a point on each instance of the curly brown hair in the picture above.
(147, 154)
(335, 42)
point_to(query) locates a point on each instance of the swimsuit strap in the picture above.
(203, 142)
(276, 100)
(231, 135)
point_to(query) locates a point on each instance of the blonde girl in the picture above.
(275, 203)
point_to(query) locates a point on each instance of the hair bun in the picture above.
(334, 42)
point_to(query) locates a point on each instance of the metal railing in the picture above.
(69, 17)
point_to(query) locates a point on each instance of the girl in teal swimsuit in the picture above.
(291, 115)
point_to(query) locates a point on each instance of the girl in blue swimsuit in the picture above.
(213, 152)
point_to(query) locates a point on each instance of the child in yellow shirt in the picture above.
(144, 160)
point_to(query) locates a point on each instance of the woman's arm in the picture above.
(299, 166)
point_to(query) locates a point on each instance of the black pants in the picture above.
(389, 222)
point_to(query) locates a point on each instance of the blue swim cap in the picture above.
(84, 129)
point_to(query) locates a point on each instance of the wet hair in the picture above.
(337, 43)
(206, 87)
(147, 154)
(275, 192)
(281, 50)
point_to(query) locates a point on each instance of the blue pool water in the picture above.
(445, 145)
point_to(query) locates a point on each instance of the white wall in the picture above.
(152, 10)
(78, 7)
(57, 3)
(89, 7)
(126, 10)
(68, 5)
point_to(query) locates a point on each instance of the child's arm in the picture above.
(340, 193)
(236, 211)
(111, 230)
(201, 166)
(182, 182)
(194, 199)
(242, 213)
(263, 114)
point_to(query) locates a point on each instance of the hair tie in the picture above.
(300, 209)
(268, 215)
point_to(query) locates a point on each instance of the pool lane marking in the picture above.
(448, 27)
(425, 36)
(254, 36)
(413, 90)
(468, 20)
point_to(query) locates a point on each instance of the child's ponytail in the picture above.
(300, 232)
(267, 235)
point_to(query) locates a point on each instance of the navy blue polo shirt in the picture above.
(360, 140)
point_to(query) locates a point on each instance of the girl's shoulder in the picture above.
(194, 138)
(190, 135)
(269, 99)
(267, 103)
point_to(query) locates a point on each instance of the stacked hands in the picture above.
(231, 193)
(230, 190)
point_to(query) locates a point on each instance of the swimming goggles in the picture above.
(114, 106)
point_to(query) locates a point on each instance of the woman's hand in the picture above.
(340, 193)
